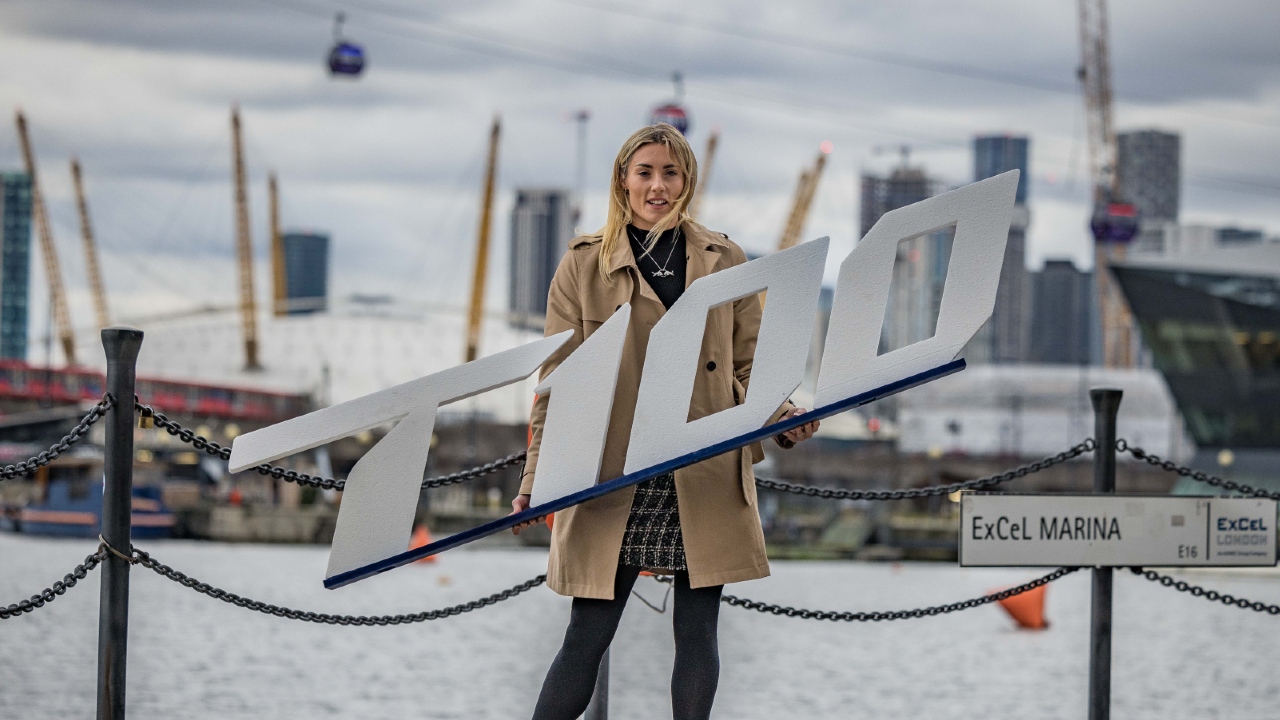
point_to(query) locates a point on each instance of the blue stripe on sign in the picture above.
(604, 488)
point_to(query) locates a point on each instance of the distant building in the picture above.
(1008, 333)
(1061, 302)
(911, 314)
(1235, 237)
(306, 269)
(15, 263)
(1149, 175)
(1212, 322)
(541, 227)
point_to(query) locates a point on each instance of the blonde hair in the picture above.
(615, 224)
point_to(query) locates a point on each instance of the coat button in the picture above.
(711, 365)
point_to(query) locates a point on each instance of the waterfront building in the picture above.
(306, 268)
(1061, 303)
(15, 263)
(541, 227)
(1212, 323)
(1007, 335)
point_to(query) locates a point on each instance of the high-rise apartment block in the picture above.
(911, 314)
(1007, 335)
(541, 227)
(15, 263)
(306, 268)
(1063, 299)
(1149, 173)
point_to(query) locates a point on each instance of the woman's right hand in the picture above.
(519, 505)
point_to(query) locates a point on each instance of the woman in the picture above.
(699, 523)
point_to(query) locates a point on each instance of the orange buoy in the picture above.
(1027, 609)
(421, 538)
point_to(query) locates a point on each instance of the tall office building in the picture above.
(541, 227)
(306, 270)
(911, 314)
(15, 263)
(1062, 303)
(1007, 334)
(1148, 169)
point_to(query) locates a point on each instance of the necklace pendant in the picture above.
(661, 273)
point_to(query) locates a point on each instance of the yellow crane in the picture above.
(803, 200)
(92, 268)
(279, 279)
(244, 247)
(52, 270)
(476, 313)
(704, 174)
(1095, 80)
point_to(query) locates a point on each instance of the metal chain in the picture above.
(202, 443)
(26, 467)
(1169, 466)
(976, 484)
(888, 614)
(145, 560)
(1210, 595)
(50, 593)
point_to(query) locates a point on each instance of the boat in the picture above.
(65, 500)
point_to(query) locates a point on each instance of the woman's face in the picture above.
(653, 182)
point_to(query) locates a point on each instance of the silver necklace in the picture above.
(662, 270)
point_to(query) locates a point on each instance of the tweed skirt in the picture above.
(653, 538)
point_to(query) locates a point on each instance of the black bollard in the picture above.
(1106, 404)
(122, 345)
(598, 708)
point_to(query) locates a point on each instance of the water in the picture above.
(194, 657)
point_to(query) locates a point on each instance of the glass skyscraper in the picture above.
(306, 269)
(15, 263)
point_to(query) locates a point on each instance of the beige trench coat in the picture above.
(723, 540)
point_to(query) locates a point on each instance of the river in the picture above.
(190, 656)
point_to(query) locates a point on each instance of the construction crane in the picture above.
(805, 191)
(279, 279)
(244, 247)
(476, 313)
(52, 270)
(1113, 222)
(90, 249)
(704, 173)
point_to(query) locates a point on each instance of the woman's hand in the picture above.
(802, 433)
(519, 505)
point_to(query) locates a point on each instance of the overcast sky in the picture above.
(391, 164)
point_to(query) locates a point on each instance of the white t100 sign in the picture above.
(381, 493)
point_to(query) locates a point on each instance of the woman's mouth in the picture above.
(657, 203)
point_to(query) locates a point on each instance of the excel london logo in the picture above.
(381, 493)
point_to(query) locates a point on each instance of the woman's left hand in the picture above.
(802, 433)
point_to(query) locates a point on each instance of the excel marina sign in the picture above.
(1115, 530)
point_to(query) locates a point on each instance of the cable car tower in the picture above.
(346, 57)
(673, 112)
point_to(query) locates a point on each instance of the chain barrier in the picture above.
(26, 467)
(834, 615)
(1210, 595)
(51, 593)
(907, 493)
(145, 560)
(1169, 466)
(199, 442)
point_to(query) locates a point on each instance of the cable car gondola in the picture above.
(673, 113)
(346, 58)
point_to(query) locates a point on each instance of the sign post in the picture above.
(1106, 405)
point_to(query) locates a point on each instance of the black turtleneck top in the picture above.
(663, 267)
